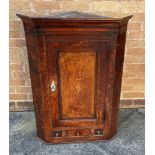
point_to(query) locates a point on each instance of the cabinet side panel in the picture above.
(120, 51)
(34, 74)
(77, 84)
(44, 86)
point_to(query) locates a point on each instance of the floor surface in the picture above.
(129, 140)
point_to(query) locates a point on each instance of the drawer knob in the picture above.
(53, 86)
(77, 133)
(57, 134)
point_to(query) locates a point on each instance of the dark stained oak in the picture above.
(76, 63)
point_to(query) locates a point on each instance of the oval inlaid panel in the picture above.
(77, 84)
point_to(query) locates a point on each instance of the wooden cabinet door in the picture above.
(77, 67)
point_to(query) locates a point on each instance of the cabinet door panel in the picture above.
(77, 83)
(78, 69)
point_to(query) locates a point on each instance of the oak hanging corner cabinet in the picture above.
(76, 62)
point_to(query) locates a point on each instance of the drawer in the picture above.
(98, 132)
(77, 133)
(57, 134)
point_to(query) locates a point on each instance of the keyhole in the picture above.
(53, 86)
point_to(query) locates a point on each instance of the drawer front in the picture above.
(78, 133)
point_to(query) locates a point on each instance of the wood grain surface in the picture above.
(77, 83)
(83, 55)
